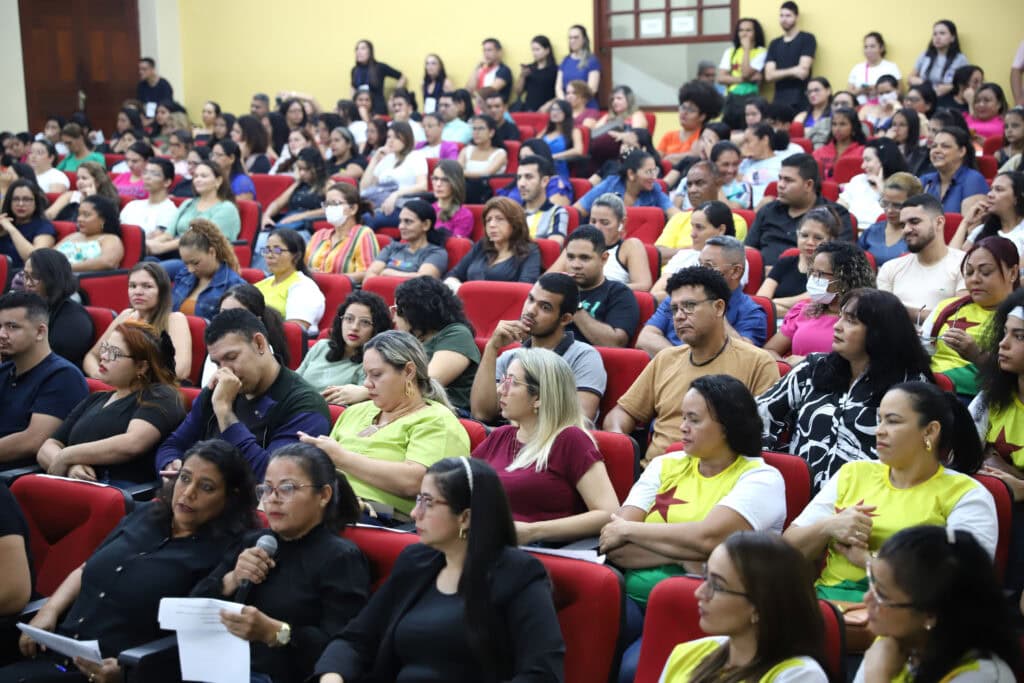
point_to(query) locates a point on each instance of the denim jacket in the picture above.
(206, 305)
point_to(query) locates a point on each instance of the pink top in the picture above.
(126, 188)
(460, 224)
(807, 334)
(993, 128)
(826, 157)
(551, 494)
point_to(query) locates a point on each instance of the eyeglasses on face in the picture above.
(687, 307)
(880, 599)
(112, 353)
(508, 381)
(352, 320)
(277, 251)
(284, 491)
(716, 588)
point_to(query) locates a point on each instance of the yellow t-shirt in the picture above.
(686, 657)
(970, 669)
(275, 295)
(971, 318)
(423, 436)
(1005, 434)
(677, 233)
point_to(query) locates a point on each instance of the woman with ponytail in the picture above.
(211, 268)
(927, 450)
(462, 605)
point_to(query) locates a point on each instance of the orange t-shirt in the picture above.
(670, 142)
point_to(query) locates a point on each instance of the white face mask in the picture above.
(889, 98)
(817, 289)
(335, 215)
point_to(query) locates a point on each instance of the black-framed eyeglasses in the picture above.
(716, 587)
(820, 273)
(266, 251)
(880, 599)
(112, 353)
(284, 491)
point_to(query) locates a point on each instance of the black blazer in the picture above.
(520, 590)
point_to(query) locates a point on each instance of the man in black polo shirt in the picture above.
(152, 89)
(38, 388)
(608, 313)
(790, 58)
(774, 228)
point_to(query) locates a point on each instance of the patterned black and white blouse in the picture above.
(826, 429)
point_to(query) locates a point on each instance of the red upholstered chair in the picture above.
(96, 386)
(335, 412)
(952, 224)
(619, 453)
(384, 286)
(252, 275)
(580, 186)
(72, 178)
(797, 476)
(101, 319)
(845, 169)
(549, 251)
(478, 221)
(805, 143)
(499, 183)
(1004, 517)
(67, 520)
(189, 395)
(335, 289)
(574, 220)
(784, 367)
(125, 199)
(645, 223)
(988, 166)
(992, 145)
(457, 247)
(243, 252)
(755, 271)
(134, 241)
(512, 149)
(476, 431)
(672, 618)
(530, 118)
(771, 191)
(747, 215)
(270, 187)
(653, 262)
(796, 130)
(647, 306)
(383, 240)
(769, 310)
(830, 191)
(431, 166)
(526, 131)
(295, 336)
(5, 271)
(64, 228)
(623, 367)
(381, 548)
(106, 290)
(249, 217)
(112, 160)
(651, 120)
(197, 328)
(487, 303)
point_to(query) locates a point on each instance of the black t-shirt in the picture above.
(364, 78)
(508, 131)
(92, 420)
(425, 656)
(12, 521)
(612, 303)
(540, 86)
(774, 229)
(71, 331)
(791, 281)
(261, 164)
(787, 55)
(158, 93)
(334, 168)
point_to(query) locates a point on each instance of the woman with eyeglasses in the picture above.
(346, 247)
(956, 327)
(23, 225)
(70, 330)
(213, 201)
(384, 445)
(761, 616)
(826, 409)
(290, 288)
(884, 238)
(344, 160)
(462, 605)
(160, 550)
(938, 608)
(927, 449)
(315, 583)
(112, 436)
(686, 503)
(421, 251)
(786, 284)
(211, 268)
(194, 157)
(334, 366)
(449, 185)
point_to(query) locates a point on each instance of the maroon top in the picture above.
(551, 494)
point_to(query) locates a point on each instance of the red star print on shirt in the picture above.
(962, 324)
(1004, 448)
(663, 501)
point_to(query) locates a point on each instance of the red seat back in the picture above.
(645, 223)
(197, 328)
(952, 223)
(335, 288)
(769, 311)
(512, 150)
(487, 303)
(647, 304)
(805, 143)
(189, 395)
(67, 520)
(72, 178)
(992, 145)
(270, 187)
(574, 220)
(457, 247)
(335, 412)
(431, 165)
(755, 271)
(134, 241)
(1004, 517)
(384, 286)
(580, 186)
(101, 319)
(845, 169)
(478, 222)
(252, 275)
(96, 386)
(295, 336)
(5, 272)
(943, 382)
(988, 167)
(381, 548)
(623, 367)
(796, 130)
(784, 367)
(476, 431)
(107, 290)
(653, 262)
(797, 476)
(829, 190)
(619, 459)
(64, 228)
(249, 218)
(112, 160)
(530, 118)
(243, 252)
(549, 252)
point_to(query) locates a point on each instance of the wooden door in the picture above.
(82, 51)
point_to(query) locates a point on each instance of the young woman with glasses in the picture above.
(290, 289)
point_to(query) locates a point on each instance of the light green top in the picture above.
(322, 373)
(70, 163)
(424, 436)
(223, 214)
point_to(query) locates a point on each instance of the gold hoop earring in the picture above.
(463, 533)
(928, 445)
(408, 390)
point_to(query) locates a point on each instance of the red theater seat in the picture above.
(623, 367)
(619, 453)
(197, 328)
(755, 272)
(270, 187)
(335, 288)
(106, 290)
(645, 223)
(384, 286)
(487, 303)
(101, 319)
(134, 241)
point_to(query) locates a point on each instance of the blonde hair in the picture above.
(549, 378)
(398, 349)
(904, 181)
(178, 120)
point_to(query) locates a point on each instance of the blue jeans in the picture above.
(632, 630)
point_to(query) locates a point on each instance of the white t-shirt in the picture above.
(149, 216)
(759, 495)
(863, 74)
(358, 130)
(1016, 235)
(405, 173)
(916, 285)
(417, 131)
(862, 200)
(305, 302)
(53, 177)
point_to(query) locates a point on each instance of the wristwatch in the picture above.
(284, 635)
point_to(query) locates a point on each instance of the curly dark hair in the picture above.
(428, 305)
(378, 312)
(850, 268)
(703, 96)
(715, 286)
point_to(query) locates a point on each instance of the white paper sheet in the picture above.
(585, 555)
(69, 647)
(206, 650)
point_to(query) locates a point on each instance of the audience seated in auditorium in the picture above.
(905, 131)
(449, 183)
(846, 140)
(314, 584)
(703, 183)
(815, 117)
(636, 183)
(386, 466)
(114, 597)
(880, 159)
(497, 109)
(543, 217)
(504, 253)
(563, 139)
(558, 189)
(954, 182)
(252, 401)
(551, 469)
(97, 244)
(864, 76)
(837, 268)
(129, 183)
(1014, 139)
(23, 225)
(622, 117)
(482, 158)
(251, 138)
(884, 239)
(402, 106)
(112, 436)
(92, 179)
(213, 200)
(393, 172)
(156, 211)
(699, 102)
(290, 288)
(434, 147)
(475, 587)
(580, 97)
(826, 409)
(38, 388)
(710, 218)
(42, 158)
(70, 328)
(698, 300)
(761, 164)
(299, 206)
(1000, 213)
(685, 504)
(421, 251)
(211, 269)
(547, 311)
(79, 150)
(346, 247)
(786, 284)
(927, 451)
(455, 109)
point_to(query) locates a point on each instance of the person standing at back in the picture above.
(790, 58)
(152, 89)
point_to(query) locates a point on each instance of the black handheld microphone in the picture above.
(269, 545)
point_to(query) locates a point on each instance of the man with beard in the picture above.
(609, 313)
(549, 308)
(790, 58)
(698, 298)
(931, 271)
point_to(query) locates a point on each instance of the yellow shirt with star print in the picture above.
(672, 490)
(971, 318)
(1002, 429)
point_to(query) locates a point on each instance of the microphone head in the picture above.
(268, 543)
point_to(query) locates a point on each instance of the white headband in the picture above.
(1017, 312)
(469, 474)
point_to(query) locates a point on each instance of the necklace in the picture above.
(379, 423)
(709, 360)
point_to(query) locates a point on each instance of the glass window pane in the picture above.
(652, 25)
(621, 26)
(716, 21)
(655, 71)
(684, 23)
(652, 4)
(620, 5)
(684, 3)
